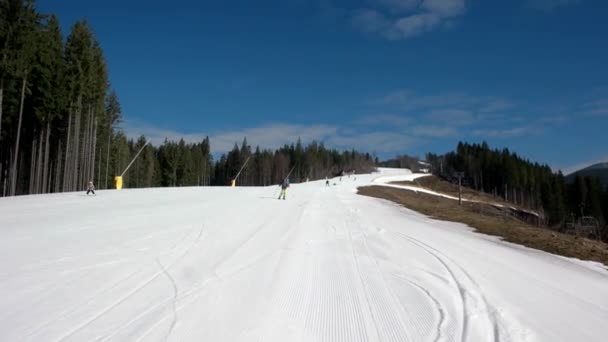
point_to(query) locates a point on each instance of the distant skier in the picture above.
(91, 187)
(326, 181)
(284, 187)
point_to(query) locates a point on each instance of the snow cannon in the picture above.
(118, 182)
(233, 183)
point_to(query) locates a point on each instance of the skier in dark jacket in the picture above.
(91, 187)
(284, 187)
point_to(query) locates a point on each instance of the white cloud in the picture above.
(445, 8)
(554, 120)
(548, 5)
(457, 105)
(399, 6)
(496, 105)
(272, 136)
(278, 134)
(416, 24)
(385, 119)
(371, 21)
(502, 133)
(408, 18)
(381, 142)
(434, 131)
(457, 117)
(266, 136)
(597, 108)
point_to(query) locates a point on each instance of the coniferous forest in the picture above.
(59, 122)
(521, 182)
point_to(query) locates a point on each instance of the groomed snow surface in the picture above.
(236, 264)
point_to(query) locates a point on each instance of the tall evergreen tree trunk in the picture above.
(84, 161)
(32, 180)
(76, 149)
(90, 149)
(58, 173)
(94, 148)
(39, 162)
(1, 102)
(108, 155)
(4, 184)
(46, 171)
(16, 158)
(90, 146)
(8, 175)
(99, 167)
(67, 153)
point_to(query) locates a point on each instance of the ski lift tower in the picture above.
(459, 175)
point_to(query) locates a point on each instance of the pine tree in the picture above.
(594, 198)
(24, 33)
(48, 92)
(112, 118)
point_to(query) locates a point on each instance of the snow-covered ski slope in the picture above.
(236, 264)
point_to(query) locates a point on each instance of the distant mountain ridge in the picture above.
(599, 170)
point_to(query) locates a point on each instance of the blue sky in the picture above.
(383, 76)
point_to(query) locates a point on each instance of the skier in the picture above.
(91, 187)
(326, 181)
(284, 187)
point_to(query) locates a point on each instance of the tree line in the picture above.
(57, 112)
(192, 164)
(302, 163)
(59, 123)
(519, 181)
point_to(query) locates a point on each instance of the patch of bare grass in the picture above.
(491, 220)
(438, 185)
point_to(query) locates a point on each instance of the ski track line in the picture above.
(364, 288)
(154, 308)
(459, 287)
(197, 289)
(78, 305)
(357, 318)
(192, 294)
(194, 291)
(333, 323)
(44, 295)
(175, 295)
(291, 299)
(98, 265)
(437, 254)
(231, 254)
(35, 268)
(400, 325)
(486, 304)
(438, 306)
(129, 294)
(160, 305)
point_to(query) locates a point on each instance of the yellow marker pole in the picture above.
(118, 182)
(233, 183)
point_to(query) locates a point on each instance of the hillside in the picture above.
(599, 170)
(236, 264)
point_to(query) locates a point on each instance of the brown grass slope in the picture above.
(491, 220)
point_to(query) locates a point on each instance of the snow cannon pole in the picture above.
(239, 173)
(134, 158)
(289, 174)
